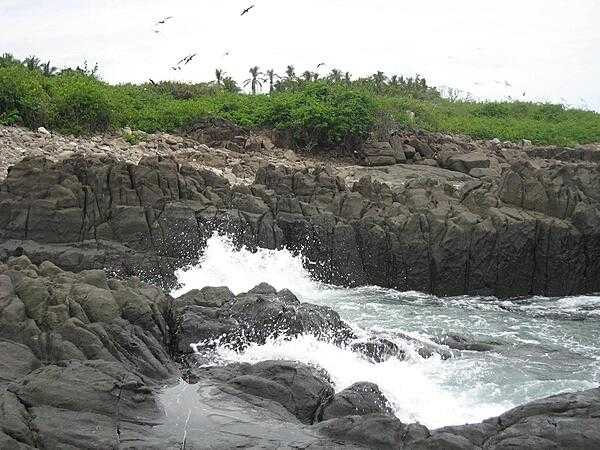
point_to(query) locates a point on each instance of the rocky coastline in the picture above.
(95, 353)
(446, 215)
(92, 362)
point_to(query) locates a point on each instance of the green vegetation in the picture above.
(317, 111)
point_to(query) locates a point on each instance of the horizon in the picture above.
(491, 52)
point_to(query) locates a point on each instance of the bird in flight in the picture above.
(247, 10)
(320, 65)
(186, 60)
(507, 84)
(176, 68)
(163, 21)
(152, 81)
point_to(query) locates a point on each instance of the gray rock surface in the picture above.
(357, 400)
(254, 316)
(85, 365)
(525, 225)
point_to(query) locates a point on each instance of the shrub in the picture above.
(80, 104)
(323, 115)
(23, 99)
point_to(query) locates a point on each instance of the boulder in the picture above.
(300, 389)
(465, 162)
(255, 316)
(377, 350)
(357, 400)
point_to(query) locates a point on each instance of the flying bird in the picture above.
(320, 65)
(163, 21)
(507, 84)
(247, 10)
(156, 31)
(175, 68)
(152, 81)
(186, 60)
(524, 93)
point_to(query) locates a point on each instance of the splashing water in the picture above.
(240, 270)
(546, 346)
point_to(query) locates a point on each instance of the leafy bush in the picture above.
(329, 113)
(80, 104)
(23, 98)
(323, 115)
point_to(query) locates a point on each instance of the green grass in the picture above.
(321, 114)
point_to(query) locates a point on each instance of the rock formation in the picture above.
(86, 362)
(489, 220)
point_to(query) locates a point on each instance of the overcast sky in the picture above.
(547, 49)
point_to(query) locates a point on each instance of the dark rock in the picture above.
(16, 361)
(457, 342)
(374, 431)
(300, 389)
(378, 350)
(357, 400)
(527, 227)
(210, 297)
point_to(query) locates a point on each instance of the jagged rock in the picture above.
(255, 316)
(467, 161)
(48, 319)
(434, 229)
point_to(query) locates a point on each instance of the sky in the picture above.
(537, 50)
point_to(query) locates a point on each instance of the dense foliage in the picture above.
(317, 112)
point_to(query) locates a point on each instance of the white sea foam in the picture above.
(467, 388)
(222, 264)
(413, 387)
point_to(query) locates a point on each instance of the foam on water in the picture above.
(540, 356)
(240, 269)
(412, 386)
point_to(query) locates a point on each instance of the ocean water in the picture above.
(547, 345)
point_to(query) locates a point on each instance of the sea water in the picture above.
(545, 345)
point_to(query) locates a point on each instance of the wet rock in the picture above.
(378, 350)
(457, 342)
(300, 389)
(374, 431)
(255, 316)
(357, 400)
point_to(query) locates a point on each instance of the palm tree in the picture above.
(394, 81)
(32, 63)
(379, 79)
(307, 75)
(219, 75)
(290, 73)
(348, 78)
(335, 75)
(254, 81)
(271, 75)
(48, 70)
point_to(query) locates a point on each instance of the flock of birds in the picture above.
(188, 59)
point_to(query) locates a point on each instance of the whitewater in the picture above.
(545, 345)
